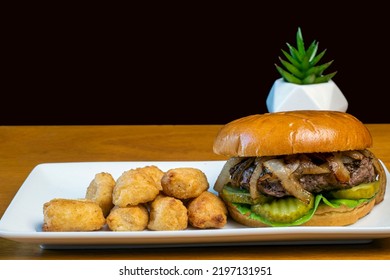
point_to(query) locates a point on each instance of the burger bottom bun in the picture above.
(341, 216)
(324, 216)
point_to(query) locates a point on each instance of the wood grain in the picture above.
(23, 147)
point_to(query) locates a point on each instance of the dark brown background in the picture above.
(181, 65)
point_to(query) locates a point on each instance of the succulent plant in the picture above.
(301, 64)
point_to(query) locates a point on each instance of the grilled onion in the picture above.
(338, 167)
(288, 180)
(224, 176)
(253, 180)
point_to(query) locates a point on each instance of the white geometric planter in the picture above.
(285, 96)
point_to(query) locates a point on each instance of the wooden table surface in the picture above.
(23, 147)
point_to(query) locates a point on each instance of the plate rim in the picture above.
(233, 235)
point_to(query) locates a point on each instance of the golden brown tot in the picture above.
(134, 187)
(72, 215)
(167, 213)
(184, 182)
(207, 211)
(100, 190)
(130, 218)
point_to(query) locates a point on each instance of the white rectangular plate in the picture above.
(23, 218)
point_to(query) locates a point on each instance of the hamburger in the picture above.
(293, 168)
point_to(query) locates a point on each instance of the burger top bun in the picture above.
(292, 132)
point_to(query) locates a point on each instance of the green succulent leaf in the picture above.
(317, 58)
(287, 76)
(300, 43)
(293, 70)
(311, 51)
(293, 61)
(305, 65)
(295, 53)
(318, 70)
(301, 64)
(310, 79)
(325, 78)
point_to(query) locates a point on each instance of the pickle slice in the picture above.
(367, 190)
(236, 195)
(284, 210)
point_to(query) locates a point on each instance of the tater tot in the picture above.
(167, 213)
(184, 182)
(72, 215)
(134, 187)
(207, 211)
(130, 218)
(154, 172)
(100, 190)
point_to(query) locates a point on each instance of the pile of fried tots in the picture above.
(144, 198)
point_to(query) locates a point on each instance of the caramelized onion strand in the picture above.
(288, 180)
(224, 175)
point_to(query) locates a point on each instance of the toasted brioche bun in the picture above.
(292, 132)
